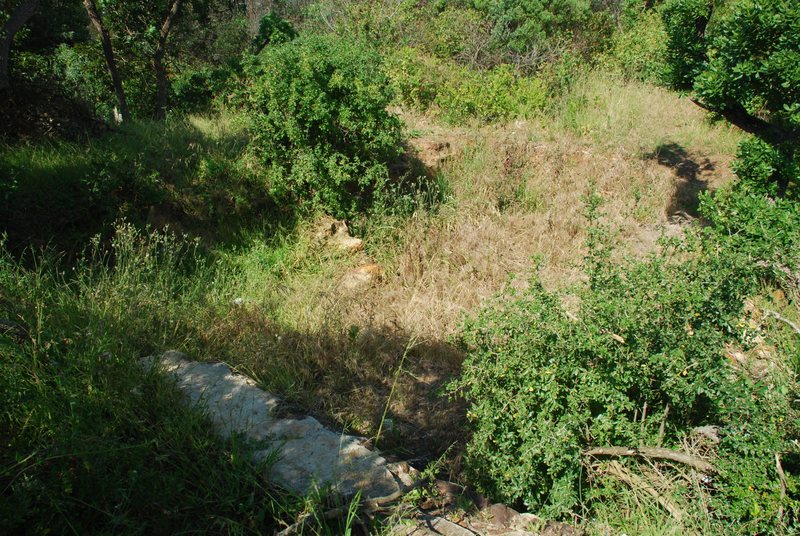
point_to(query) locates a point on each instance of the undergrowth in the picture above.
(92, 442)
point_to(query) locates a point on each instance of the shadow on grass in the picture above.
(348, 376)
(685, 201)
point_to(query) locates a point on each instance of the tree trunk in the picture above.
(17, 20)
(162, 84)
(255, 10)
(111, 63)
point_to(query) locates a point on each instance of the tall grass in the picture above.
(91, 443)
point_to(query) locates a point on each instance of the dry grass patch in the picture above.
(515, 194)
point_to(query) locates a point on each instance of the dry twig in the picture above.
(637, 483)
(654, 452)
(783, 319)
(782, 477)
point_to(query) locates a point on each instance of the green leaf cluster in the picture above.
(321, 125)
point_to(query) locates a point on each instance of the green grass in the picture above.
(194, 172)
(91, 443)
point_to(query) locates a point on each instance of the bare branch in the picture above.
(655, 453)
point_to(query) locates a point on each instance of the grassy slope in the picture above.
(514, 193)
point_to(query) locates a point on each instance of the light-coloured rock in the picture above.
(308, 454)
(336, 234)
(361, 277)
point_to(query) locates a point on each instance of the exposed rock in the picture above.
(432, 152)
(556, 528)
(502, 515)
(309, 454)
(336, 234)
(361, 277)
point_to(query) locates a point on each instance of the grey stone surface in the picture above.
(308, 454)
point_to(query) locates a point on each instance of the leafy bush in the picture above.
(416, 78)
(459, 34)
(524, 24)
(637, 51)
(85, 77)
(321, 127)
(685, 22)
(544, 385)
(193, 166)
(194, 90)
(754, 60)
(756, 216)
(459, 94)
(499, 94)
(741, 55)
(273, 30)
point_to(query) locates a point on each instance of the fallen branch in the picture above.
(782, 478)
(654, 452)
(783, 319)
(635, 482)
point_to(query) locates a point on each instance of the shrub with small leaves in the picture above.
(321, 126)
(545, 384)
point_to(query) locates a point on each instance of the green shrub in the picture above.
(67, 192)
(416, 79)
(194, 90)
(459, 93)
(759, 215)
(457, 33)
(685, 22)
(543, 384)
(754, 60)
(637, 51)
(495, 95)
(321, 127)
(272, 30)
(521, 25)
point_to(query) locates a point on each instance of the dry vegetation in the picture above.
(515, 194)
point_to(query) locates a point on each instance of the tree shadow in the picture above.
(688, 171)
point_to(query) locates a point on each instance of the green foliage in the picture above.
(272, 30)
(685, 22)
(88, 436)
(84, 76)
(754, 60)
(749, 218)
(744, 55)
(544, 384)
(495, 95)
(524, 24)
(194, 90)
(321, 127)
(457, 33)
(637, 51)
(194, 171)
(459, 94)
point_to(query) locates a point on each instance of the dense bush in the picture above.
(741, 55)
(544, 384)
(525, 24)
(685, 22)
(637, 51)
(321, 126)
(459, 94)
(193, 170)
(272, 30)
(754, 60)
